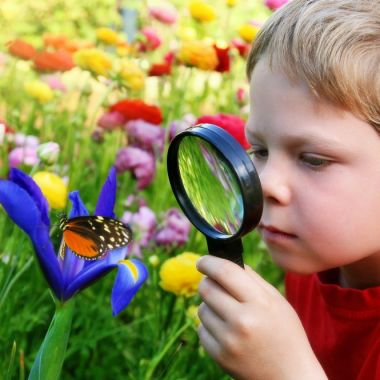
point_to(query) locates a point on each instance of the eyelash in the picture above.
(314, 162)
(258, 153)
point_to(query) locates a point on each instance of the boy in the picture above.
(314, 128)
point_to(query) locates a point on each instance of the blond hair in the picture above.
(331, 45)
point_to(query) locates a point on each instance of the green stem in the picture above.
(156, 360)
(49, 360)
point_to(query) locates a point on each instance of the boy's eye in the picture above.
(313, 161)
(256, 152)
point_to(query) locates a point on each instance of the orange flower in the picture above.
(21, 49)
(60, 42)
(198, 54)
(53, 61)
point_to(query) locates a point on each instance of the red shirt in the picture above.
(342, 324)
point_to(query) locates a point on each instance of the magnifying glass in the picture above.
(216, 186)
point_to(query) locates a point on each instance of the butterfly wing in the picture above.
(91, 236)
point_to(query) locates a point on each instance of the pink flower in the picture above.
(111, 120)
(275, 4)
(152, 40)
(19, 139)
(166, 15)
(233, 124)
(177, 126)
(175, 230)
(54, 82)
(23, 155)
(241, 96)
(143, 223)
(145, 135)
(141, 163)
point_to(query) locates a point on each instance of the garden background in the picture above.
(90, 84)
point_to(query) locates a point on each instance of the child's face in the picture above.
(320, 172)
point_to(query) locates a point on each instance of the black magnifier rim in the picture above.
(240, 164)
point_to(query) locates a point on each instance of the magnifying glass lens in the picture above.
(211, 185)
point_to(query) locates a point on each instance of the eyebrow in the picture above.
(295, 141)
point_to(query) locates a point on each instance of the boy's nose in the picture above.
(275, 182)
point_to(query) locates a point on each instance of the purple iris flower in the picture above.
(25, 204)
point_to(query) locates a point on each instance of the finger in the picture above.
(234, 279)
(260, 281)
(211, 321)
(209, 343)
(216, 297)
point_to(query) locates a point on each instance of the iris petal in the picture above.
(107, 196)
(93, 270)
(47, 260)
(87, 276)
(78, 208)
(130, 276)
(24, 181)
(72, 264)
(20, 206)
(24, 212)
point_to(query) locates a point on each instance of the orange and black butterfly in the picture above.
(90, 237)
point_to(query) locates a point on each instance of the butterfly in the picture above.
(90, 237)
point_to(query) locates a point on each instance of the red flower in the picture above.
(59, 60)
(233, 124)
(8, 130)
(159, 69)
(163, 68)
(133, 109)
(222, 52)
(241, 46)
(21, 49)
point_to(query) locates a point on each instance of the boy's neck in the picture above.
(362, 274)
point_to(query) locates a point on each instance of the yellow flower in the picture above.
(198, 54)
(179, 275)
(131, 75)
(107, 36)
(231, 3)
(201, 11)
(94, 61)
(186, 33)
(192, 313)
(39, 90)
(122, 50)
(248, 32)
(53, 188)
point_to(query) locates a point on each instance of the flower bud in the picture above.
(48, 152)
(154, 261)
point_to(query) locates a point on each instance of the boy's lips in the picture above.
(270, 232)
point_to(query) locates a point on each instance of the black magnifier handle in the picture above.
(230, 250)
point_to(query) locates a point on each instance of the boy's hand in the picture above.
(249, 328)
